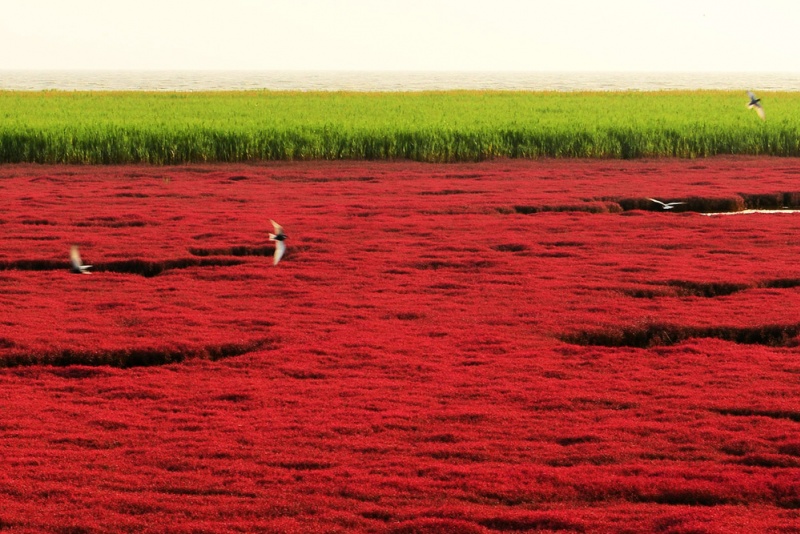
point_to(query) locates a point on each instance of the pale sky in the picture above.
(404, 35)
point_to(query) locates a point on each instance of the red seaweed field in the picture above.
(507, 346)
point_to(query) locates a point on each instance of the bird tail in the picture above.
(272, 237)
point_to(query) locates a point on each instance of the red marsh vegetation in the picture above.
(495, 347)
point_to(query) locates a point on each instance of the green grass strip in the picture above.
(174, 128)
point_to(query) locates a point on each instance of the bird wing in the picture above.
(280, 248)
(278, 228)
(75, 258)
(657, 201)
(760, 111)
(751, 95)
(675, 203)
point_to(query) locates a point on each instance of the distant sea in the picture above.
(85, 80)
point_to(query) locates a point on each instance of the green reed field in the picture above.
(168, 128)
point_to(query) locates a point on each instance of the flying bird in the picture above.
(278, 237)
(755, 103)
(667, 205)
(75, 260)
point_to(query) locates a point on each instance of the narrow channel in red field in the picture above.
(504, 346)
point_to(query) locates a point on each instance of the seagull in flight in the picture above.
(667, 205)
(278, 237)
(755, 103)
(77, 264)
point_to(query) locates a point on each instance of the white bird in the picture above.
(755, 103)
(667, 205)
(278, 237)
(75, 260)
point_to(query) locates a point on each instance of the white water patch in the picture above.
(189, 80)
(748, 212)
